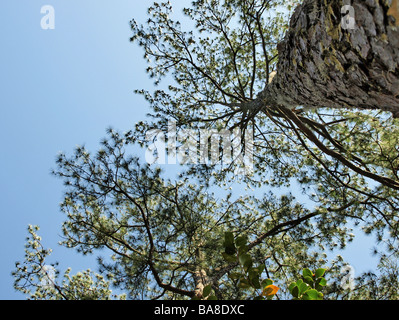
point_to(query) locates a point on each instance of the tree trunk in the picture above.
(323, 63)
(201, 280)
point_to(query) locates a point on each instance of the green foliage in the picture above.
(161, 233)
(42, 282)
(309, 287)
(207, 293)
(249, 276)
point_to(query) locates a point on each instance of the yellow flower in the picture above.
(270, 290)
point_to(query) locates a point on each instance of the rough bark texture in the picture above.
(322, 64)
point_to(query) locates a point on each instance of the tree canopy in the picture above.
(179, 238)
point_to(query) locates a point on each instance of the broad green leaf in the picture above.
(229, 257)
(308, 280)
(320, 272)
(243, 249)
(291, 286)
(266, 282)
(253, 273)
(260, 268)
(312, 294)
(307, 273)
(321, 282)
(228, 239)
(306, 297)
(212, 298)
(257, 271)
(207, 290)
(256, 283)
(254, 278)
(234, 275)
(244, 284)
(295, 291)
(246, 261)
(241, 241)
(299, 282)
(303, 287)
(229, 243)
(230, 250)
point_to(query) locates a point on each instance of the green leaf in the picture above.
(266, 282)
(243, 283)
(212, 298)
(229, 257)
(307, 273)
(207, 290)
(320, 272)
(256, 283)
(299, 282)
(241, 241)
(321, 282)
(246, 261)
(228, 239)
(260, 268)
(256, 270)
(291, 286)
(308, 280)
(234, 275)
(253, 273)
(243, 249)
(295, 291)
(230, 250)
(306, 297)
(312, 294)
(229, 243)
(302, 288)
(254, 278)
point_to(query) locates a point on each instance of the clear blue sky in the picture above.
(60, 88)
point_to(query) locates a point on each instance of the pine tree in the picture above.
(320, 100)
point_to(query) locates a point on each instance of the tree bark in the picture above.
(324, 64)
(201, 280)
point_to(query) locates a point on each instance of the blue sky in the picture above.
(60, 88)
